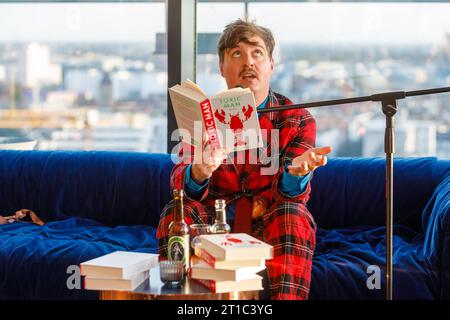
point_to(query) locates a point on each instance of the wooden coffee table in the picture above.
(155, 289)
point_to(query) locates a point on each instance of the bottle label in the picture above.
(178, 248)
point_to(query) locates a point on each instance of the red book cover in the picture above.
(205, 256)
(235, 246)
(210, 124)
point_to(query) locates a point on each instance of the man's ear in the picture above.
(272, 64)
(221, 69)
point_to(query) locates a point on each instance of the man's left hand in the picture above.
(309, 161)
(258, 208)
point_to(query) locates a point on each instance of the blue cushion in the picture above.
(114, 188)
(34, 259)
(342, 257)
(349, 192)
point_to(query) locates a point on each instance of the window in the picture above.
(208, 33)
(84, 76)
(329, 50)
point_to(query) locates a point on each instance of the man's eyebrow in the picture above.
(255, 44)
(260, 46)
(233, 47)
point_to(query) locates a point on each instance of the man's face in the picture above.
(249, 66)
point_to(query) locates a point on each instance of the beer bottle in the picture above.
(178, 246)
(220, 224)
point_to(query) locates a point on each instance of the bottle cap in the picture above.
(178, 192)
(220, 204)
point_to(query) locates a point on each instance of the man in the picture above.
(270, 207)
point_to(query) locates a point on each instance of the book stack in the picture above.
(229, 262)
(119, 270)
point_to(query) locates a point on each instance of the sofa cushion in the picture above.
(114, 188)
(34, 259)
(342, 257)
(349, 192)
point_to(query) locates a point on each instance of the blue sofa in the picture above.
(98, 202)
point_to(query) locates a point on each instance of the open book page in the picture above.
(186, 105)
(231, 92)
(190, 90)
(193, 86)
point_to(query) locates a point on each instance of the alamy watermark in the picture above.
(74, 279)
(374, 280)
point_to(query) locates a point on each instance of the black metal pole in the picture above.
(389, 107)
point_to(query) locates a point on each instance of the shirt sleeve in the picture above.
(193, 189)
(293, 185)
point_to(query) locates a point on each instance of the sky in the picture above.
(331, 23)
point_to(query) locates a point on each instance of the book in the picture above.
(211, 260)
(230, 117)
(235, 246)
(119, 265)
(253, 283)
(91, 283)
(201, 270)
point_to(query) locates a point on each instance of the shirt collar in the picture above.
(263, 104)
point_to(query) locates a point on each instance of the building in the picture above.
(111, 131)
(412, 139)
(106, 92)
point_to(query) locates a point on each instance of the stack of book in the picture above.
(229, 262)
(119, 270)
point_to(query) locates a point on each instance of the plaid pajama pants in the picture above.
(287, 226)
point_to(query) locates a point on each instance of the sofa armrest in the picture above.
(436, 224)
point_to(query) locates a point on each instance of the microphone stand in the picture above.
(389, 107)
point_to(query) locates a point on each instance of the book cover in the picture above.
(92, 283)
(201, 270)
(119, 265)
(211, 260)
(253, 283)
(230, 117)
(235, 246)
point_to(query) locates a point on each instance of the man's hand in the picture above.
(207, 161)
(258, 208)
(309, 161)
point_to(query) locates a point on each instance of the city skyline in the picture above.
(81, 90)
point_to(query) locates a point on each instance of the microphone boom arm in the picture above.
(389, 107)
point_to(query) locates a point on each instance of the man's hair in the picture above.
(241, 30)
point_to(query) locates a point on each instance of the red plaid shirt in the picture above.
(297, 133)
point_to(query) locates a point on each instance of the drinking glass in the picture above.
(196, 230)
(171, 272)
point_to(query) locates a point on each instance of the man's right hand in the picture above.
(207, 161)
